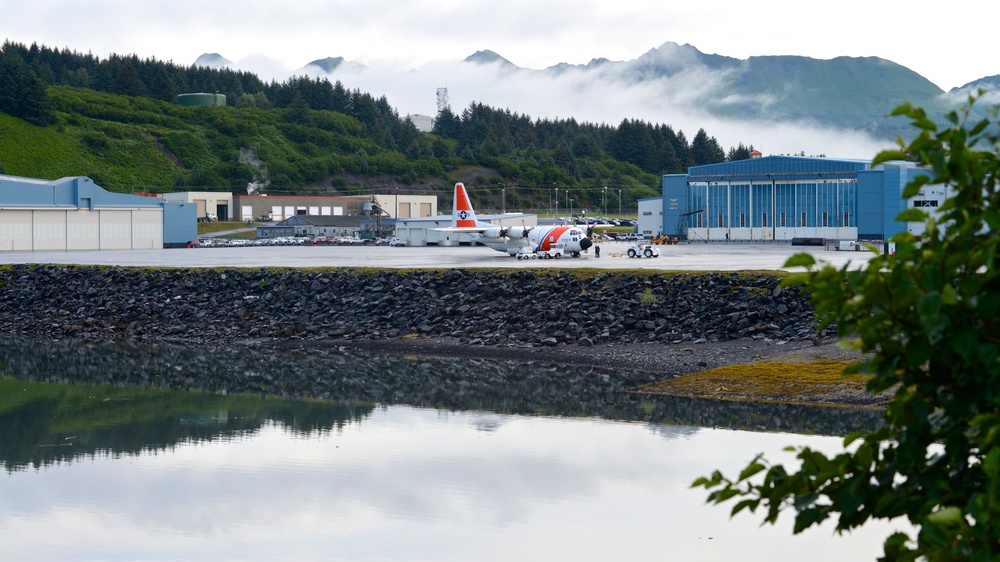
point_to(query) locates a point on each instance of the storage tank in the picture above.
(202, 100)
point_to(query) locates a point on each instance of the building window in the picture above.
(803, 219)
(847, 219)
(763, 220)
(647, 213)
(721, 223)
(783, 224)
(925, 203)
(700, 225)
(825, 219)
(743, 220)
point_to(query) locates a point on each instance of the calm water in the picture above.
(453, 461)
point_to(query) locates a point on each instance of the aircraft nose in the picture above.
(585, 243)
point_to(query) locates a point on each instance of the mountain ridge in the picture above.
(850, 93)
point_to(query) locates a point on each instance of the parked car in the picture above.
(396, 242)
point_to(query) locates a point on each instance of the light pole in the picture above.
(604, 201)
(556, 198)
(571, 207)
(567, 198)
(619, 203)
(503, 191)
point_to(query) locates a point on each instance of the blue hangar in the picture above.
(788, 197)
(74, 213)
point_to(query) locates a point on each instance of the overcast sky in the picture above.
(274, 39)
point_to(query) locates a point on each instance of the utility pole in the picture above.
(503, 191)
(604, 201)
(619, 203)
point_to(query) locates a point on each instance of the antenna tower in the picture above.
(442, 95)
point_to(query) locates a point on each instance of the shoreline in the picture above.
(669, 362)
(665, 360)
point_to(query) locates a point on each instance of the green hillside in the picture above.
(128, 144)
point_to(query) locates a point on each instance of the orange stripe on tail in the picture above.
(464, 215)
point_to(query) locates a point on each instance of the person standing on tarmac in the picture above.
(597, 251)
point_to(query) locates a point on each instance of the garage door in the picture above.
(15, 230)
(147, 229)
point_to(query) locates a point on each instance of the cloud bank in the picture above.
(593, 94)
(603, 96)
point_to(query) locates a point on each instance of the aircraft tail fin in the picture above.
(463, 216)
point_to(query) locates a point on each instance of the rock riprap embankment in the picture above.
(471, 306)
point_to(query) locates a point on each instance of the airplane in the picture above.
(511, 239)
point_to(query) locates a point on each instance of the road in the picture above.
(681, 257)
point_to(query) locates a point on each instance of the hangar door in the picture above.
(124, 229)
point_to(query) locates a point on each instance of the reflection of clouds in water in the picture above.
(403, 483)
(670, 432)
(487, 423)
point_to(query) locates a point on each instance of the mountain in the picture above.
(854, 93)
(845, 93)
(331, 64)
(489, 57)
(986, 83)
(213, 60)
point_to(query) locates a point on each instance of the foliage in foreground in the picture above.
(930, 316)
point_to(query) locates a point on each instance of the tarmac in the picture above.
(735, 256)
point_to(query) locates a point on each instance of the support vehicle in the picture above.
(643, 251)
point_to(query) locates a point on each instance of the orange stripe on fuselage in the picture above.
(552, 237)
(462, 203)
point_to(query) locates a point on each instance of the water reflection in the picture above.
(247, 388)
(129, 463)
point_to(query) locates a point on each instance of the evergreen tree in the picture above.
(705, 149)
(298, 111)
(163, 85)
(22, 93)
(585, 145)
(739, 152)
(632, 143)
(125, 79)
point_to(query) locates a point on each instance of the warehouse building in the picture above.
(212, 205)
(74, 213)
(786, 198)
(311, 226)
(281, 207)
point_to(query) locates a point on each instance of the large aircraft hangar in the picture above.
(791, 197)
(76, 214)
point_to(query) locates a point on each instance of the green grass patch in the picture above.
(211, 227)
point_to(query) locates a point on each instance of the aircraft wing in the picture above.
(468, 229)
